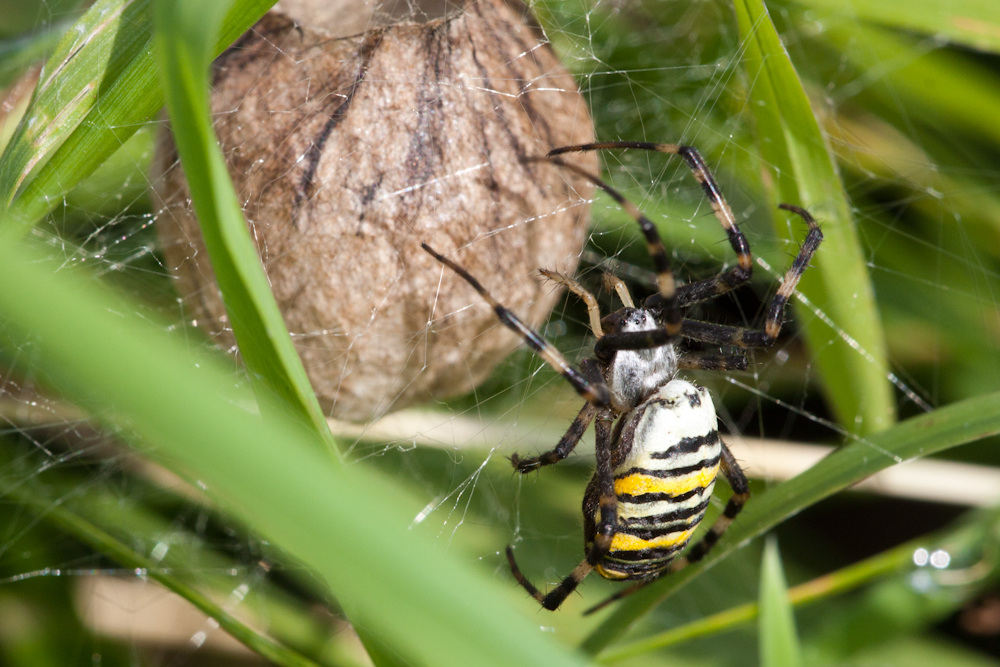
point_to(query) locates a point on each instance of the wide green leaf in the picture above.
(97, 89)
(352, 528)
(841, 320)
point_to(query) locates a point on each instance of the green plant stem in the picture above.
(109, 545)
(828, 585)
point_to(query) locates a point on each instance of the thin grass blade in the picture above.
(845, 333)
(971, 23)
(776, 633)
(97, 89)
(185, 35)
(71, 82)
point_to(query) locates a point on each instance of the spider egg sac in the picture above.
(348, 152)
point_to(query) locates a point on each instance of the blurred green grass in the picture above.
(909, 116)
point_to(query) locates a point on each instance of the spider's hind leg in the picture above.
(604, 533)
(741, 493)
(557, 595)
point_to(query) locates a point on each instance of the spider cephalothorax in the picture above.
(657, 444)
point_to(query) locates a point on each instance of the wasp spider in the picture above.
(657, 443)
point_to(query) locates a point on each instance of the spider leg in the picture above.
(566, 444)
(722, 334)
(558, 594)
(712, 362)
(718, 334)
(607, 345)
(809, 246)
(593, 310)
(623, 593)
(724, 282)
(612, 281)
(592, 389)
(605, 530)
(654, 244)
(741, 492)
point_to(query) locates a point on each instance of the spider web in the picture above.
(926, 206)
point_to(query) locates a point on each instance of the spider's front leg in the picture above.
(605, 530)
(590, 370)
(720, 334)
(667, 304)
(711, 287)
(588, 381)
(595, 392)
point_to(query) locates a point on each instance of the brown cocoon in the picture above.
(348, 153)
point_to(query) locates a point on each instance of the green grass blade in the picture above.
(185, 34)
(843, 580)
(17, 54)
(957, 424)
(972, 23)
(971, 536)
(71, 81)
(129, 527)
(779, 642)
(351, 528)
(81, 527)
(800, 170)
(96, 90)
(942, 89)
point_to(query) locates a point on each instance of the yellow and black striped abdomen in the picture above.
(668, 458)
